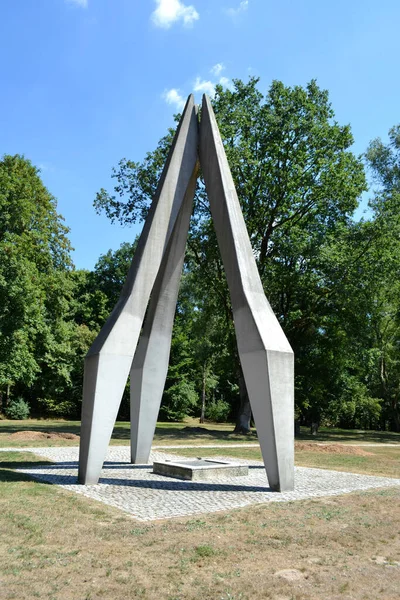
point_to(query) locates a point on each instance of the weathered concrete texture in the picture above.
(265, 354)
(199, 469)
(150, 365)
(109, 360)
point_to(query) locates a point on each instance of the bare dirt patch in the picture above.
(27, 436)
(332, 448)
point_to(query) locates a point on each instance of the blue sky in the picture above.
(85, 83)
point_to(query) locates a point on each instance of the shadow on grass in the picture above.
(44, 427)
(177, 432)
(167, 432)
(343, 435)
(8, 476)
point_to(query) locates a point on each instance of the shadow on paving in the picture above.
(68, 465)
(175, 485)
(73, 464)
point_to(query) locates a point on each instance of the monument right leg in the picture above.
(110, 357)
(265, 353)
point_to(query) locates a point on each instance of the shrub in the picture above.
(59, 409)
(218, 411)
(17, 409)
(178, 401)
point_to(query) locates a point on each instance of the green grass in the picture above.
(166, 433)
(381, 461)
(189, 432)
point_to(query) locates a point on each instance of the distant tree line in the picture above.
(332, 281)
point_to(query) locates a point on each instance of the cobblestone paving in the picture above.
(146, 496)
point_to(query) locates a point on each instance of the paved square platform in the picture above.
(146, 496)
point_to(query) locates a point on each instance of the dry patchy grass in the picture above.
(57, 545)
(377, 460)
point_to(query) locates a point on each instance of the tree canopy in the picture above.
(331, 280)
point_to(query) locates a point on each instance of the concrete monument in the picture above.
(265, 354)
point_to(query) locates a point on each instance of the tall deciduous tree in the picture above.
(34, 260)
(298, 184)
(384, 161)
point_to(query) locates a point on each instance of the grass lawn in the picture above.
(57, 545)
(189, 432)
(378, 460)
(166, 433)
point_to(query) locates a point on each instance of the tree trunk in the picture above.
(203, 397)
(244, 415)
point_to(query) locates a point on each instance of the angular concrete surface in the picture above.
(109, 359)
(265, 354)
(150, 365)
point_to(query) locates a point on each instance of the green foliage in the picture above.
(34, 259)
(43, 307)
(332, 282)
(57, 408)
(218, 411)
(17, 409)
(179, 401)
(110, 272)
(298, 184)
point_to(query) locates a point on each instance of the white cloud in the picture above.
(235, 12)
(81, 3)
(224, 81)
(170, 11)
(217, 69)
(204, 86)
(45, 167)
(173, 97)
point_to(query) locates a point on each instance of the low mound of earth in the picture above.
(331, 448)
(28, 436)
(192, 430)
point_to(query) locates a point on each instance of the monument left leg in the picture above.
(110, 357)
(150, 365)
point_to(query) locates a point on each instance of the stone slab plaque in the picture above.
(199, 469)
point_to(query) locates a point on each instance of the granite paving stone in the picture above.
(146, 496)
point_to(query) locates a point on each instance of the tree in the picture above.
(384, 161)
(298, 184)
(111, 270)
(34, 261)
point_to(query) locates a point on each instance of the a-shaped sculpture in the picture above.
(265, 354)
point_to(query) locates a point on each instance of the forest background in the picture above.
(332, 281)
